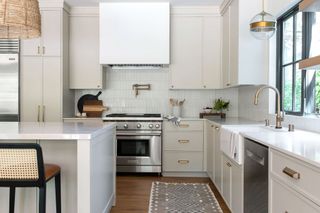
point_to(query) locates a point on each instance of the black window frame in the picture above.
(306, 40)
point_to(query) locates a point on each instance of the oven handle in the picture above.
(138, 134)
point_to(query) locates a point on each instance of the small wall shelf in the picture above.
(310, 63)
(309, 6)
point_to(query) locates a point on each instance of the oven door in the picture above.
(139, 150)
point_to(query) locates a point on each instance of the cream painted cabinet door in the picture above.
(30, 47)
(226, 180)
(211, 70)
(226, 48)
(210, 150)
(186, 50)
(218, 160)
(49, 43)
(84, 53)
(234, 39)
(31, 88)
(52, 84)
(236, 188)
(51, 32)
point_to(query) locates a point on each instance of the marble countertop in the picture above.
(299, 144)
(52, 130)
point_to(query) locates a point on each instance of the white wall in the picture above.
(119, 96)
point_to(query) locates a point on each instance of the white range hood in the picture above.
(134, 34)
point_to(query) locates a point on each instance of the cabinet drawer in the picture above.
(298, 174)
(184, 126)
(183, 141)
(286, 200)
(182, 161)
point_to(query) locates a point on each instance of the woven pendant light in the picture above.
(19, 19)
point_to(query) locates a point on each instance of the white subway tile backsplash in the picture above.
(119, 96)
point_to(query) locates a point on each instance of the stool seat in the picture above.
(51, 170)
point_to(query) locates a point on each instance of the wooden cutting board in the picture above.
(94, 108)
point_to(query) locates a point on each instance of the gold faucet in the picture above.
(279, 117)
(137, 87)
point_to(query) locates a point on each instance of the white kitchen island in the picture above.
(86, 153)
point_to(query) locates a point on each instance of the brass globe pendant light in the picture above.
(19, 19)
(263, 25)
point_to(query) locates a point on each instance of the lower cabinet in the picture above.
(286, 200)
(232, 184)
(293, 185)
(183, 147)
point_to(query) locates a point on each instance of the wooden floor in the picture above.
(133, 192)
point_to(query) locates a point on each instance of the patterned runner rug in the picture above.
(182, 198)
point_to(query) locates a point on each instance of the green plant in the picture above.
(220, 105)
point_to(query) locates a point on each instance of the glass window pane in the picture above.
(298, 90)
(315, 39)
(287, 88)
(298, 40)
(288, 40)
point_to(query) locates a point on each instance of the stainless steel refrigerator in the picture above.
(9, 80)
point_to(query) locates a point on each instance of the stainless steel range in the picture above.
(139, 142)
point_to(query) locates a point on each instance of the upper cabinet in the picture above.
(44, 77)
(49, 42)
(244, 60)
(195, 49)
(85, 69)
(309, 6)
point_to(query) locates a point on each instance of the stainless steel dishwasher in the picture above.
(255, 177)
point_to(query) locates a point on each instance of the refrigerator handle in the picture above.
(38, 113)
(43, 112)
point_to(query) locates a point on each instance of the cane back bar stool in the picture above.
(21, 165)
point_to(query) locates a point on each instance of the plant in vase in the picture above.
(221, 106)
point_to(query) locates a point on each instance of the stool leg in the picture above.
(12, 199)
(57, 180)
(42, 199)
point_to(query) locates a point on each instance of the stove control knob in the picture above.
(157, 126)
(150, 126)
(126, 126)
(138, 126)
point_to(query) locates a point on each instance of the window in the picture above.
(298, 38)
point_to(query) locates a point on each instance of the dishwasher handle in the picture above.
(256, 158)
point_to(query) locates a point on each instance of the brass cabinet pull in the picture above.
(43, 112)
(39, 50)
(183, 141)
(228, 164)
(228, 84)
(43, 50)
(291, 173)
(183, 161)
(38, 117)
(184, 125)
(212, 126)
(217, 128)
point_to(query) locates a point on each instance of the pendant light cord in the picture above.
(263, 5)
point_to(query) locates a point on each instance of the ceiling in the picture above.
(82, 3)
